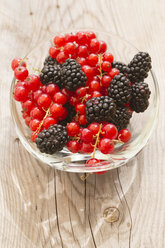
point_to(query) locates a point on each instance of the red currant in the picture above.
(105, 81)
(17, 62)
(36, 94)
(70, 37)
(53, 51)
(34, 124)
(108, 57)
(124, 135)
(86, 148)
(44, 101)
(60, 98)
(33, 82)
(94, 86)
(20, 94)
(80, 108)
(104, 91)
(67, 93)
(24, 115)
(109, 131)
(73, 146)
(27, 106)
(57, 110)
(34, 135)
(51, 89)
(20, 83)
(106, 66)
(59, 40)
(81, 91)
(48, 121)
(27, 120)
(81, 37)
(94, 127)
(88, 70)
(73, 129)
(103, 47)
(106, 146)
(92, 162)
(64, 115)
(113, 72)
(82, 61)
(74, 100)
(92, 59)
(37, 113)
(94, 46)
(61, 57)
(21, 73)
(82, 120)
(90, 35)
(96, 94)
(86, 135)
(82, 51)
(69, 48)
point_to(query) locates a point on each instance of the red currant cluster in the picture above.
(44, 105)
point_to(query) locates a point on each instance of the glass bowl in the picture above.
(141, 125)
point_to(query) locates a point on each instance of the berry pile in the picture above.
(82, 99)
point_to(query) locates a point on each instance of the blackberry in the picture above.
(120, 89)
(123, 68)
(72, 76)
(122, 117)
(51, 74)
(140, 95)
(71, 114)
(139, 67)
(100, 109)
(50, 61)
(52, 140)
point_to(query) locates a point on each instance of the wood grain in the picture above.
(42, 207)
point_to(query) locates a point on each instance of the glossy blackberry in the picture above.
(120, 89)
(51, 74)
(122, 117)
(71, 74)
(139, 67)
(52, 140)
(123, 68)
(50, 61)
(71, 114)
(140, 95)
(100, 109)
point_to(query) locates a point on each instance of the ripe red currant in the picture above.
(82, 120)
(109, 131)
(105, 81)
(94, 46)
(53, 51)
(91, 162)
(33, 82)
(34, 124)
(36, 94)
(94, 86)
(73, 146)
(70, 37)
(80, 108)
(74, 100)
(69, 48)
(82, 61)
(73, 128)
(106, 66)
(86, 148)
(20, 73)
(94, 127)
(103, 47)
(59, 40)
(34, 135)
(20, 94)
(96, 94)
(81, 91)
(51, 89)
(90, 35)
(60, 98)
(81, 37)
(67, 93)
(37, 113)
(48, 121)
(106, 146)
(27, 106)
(92, 59)
(86, 135)
(16, 62)
(124, 135)
(113, 72)
(61, 57)
(57, 110)
(27, 120)
(82, 51)
(88, 70)
(108, 57)
(44, 101)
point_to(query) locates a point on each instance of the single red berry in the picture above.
(21, 73)
(86, 148)
(96, 94)
(17, 62)
(36, 94)
(27, 106)
(61, 57)
(20, 94)
(103, 47)
(37, 113)
(53, 51)
(91, 162)
(44, 101)
(108, 57)
(27, 120)
(82, 51)
(34, 124)
(59, 40)
(88, 70)
(73, 146)
(82, 120)
(57, 110)
(60, 98)
(104, 91)
(20, 83)
(92, 59)
(73, 129)
(82, 61)
(105, 81)
(81, 91)
(90, 35)
(24, 115)
(48, 121)
(80, 108)
(69, 48)
(113, 72)
(43, 88)
(106, 146)
(64, 115)
(109, 131)
(94, 86)
(74, 100)
(33, 82)
(86, 135)
(70, 37)
(67, 93)
(34, 135)
(106, 66)
(94, 46)
(51, 89)
(124, 135)
(81, 37)
(94, 127)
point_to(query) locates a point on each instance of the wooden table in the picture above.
(42, 207)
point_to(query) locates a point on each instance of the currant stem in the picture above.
(97, 140)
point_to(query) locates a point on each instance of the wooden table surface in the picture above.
(42, 207)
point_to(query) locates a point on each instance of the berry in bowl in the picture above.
(79, 108)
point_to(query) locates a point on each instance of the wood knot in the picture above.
(111, 214)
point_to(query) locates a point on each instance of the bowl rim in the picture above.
(64, 165)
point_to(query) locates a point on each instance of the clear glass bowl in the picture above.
(141, 125)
